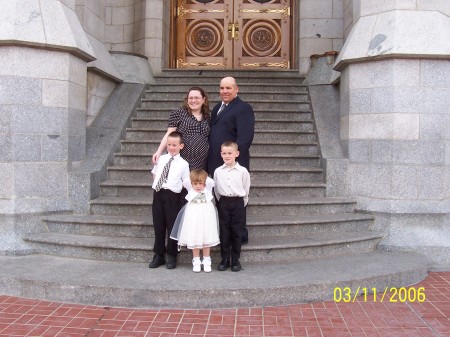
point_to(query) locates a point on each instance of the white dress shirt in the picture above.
(232, 182)
(179, 171)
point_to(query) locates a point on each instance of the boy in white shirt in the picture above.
(231, 190)
(168, 176)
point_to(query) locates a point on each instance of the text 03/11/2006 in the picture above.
(403, 294)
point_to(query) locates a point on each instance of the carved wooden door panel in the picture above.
(233, 34)
(201, 39)
(265, 34)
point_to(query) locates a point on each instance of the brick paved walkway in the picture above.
(354, 317)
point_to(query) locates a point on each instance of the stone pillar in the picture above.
(44, 53)
(321, 29)
(395, 121)
(136, 27)
(120, 30)
(103, 74)
(156, 39)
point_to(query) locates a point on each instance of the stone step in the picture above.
(262, 104)
(100, 225)
(236, 73)
(268, 248)
(131, 172)
(134, 285)
(129, 188)
(258, 147)
(246, 96)
(140, 206)
(132, 159)
(287, 174)
(254, 78)
(138, 166)
(212, 89)
(260, 125)
(260, 135)
(142, 226)
(274, 159)
(276, 113)
(148, 147)
(145, 133)
(286, 225)
(292, 136)
(284, 125)
(283, 147)
(282, 160)
(270, 206)
(263, 206)
(294, 115)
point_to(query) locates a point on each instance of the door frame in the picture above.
(293, 52)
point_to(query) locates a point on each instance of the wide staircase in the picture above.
(302, 244)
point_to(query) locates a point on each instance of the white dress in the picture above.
(197, 224)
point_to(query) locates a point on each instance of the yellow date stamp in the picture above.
(388, 294)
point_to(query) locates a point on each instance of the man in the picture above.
(231, 120)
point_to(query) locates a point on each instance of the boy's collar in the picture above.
(235, 164)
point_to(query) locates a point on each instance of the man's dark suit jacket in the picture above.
(235, 123)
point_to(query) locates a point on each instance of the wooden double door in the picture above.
(233, 34)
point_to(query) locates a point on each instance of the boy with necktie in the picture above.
(168, 176)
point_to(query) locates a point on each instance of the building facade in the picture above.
(62, 59)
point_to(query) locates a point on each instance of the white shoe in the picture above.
(207, 264)
(196, 265)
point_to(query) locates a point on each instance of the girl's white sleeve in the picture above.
(209, 185)
(187, 184)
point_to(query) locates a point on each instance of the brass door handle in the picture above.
(236, 31)
(233, 31)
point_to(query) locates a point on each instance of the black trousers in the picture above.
(165, 208)
(231, 212)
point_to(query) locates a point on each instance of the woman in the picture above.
(192, 121)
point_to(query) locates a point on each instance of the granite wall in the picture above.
(395, 121)
(55, 77)
(43, 94)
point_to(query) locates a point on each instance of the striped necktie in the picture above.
(164, 175)
(221, 108)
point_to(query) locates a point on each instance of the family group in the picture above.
(201, 185)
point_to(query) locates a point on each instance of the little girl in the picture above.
(197, 225)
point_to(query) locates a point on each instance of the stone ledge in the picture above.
(45, 24)
(135, 285)
(397, 34)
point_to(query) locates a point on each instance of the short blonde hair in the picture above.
(198, 176)
(230, 144)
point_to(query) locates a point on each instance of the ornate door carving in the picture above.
(233, 34)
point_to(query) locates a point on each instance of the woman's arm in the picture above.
(162, 145)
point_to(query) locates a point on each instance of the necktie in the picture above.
(164, 175)
(221, 108)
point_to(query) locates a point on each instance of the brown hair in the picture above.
(198, 176)
(176, 134)
(205, 106)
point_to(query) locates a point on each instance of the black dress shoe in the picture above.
(158, 260)
(235, 265)
(171, 262)
(223, 265)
